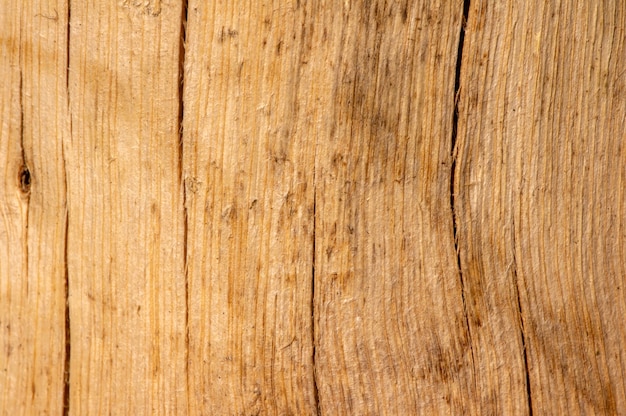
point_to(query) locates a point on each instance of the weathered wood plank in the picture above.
(390, 330)
(540, 203)
(33, 125)
(250, 119)
(126, 211)
(294, 254)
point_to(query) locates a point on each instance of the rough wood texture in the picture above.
(126, 220)
(540, 193)
(278, 236)
(33, 124)
(391, 335)
(249, 134)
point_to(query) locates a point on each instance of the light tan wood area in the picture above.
(34, 124)
(312, 207)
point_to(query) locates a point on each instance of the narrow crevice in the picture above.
(183, 183)
(455, 115)
(453, 167)
(521, 319)
(315, 389)
(69, 37)
(68, 327)
(24, 174)
(68, 333)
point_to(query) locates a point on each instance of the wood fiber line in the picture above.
(252, 111)
(126, 210)
(540, 202)
(390, 331)
(33, 125)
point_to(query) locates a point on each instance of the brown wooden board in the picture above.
(312, 208)
(390, 331)
(540, 203)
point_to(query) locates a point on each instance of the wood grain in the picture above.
(250, 121)
(540, 204)
(390, 330)
(33, 125)
(278, 236)
(126, 211)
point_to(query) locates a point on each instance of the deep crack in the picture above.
(455, 123)
(68, 334)
(68, 328)
(315, 387)
(182, 182)
(521, 319)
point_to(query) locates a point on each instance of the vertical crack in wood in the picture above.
(183, 183)
(68, 333)
(24, 175)
(68, 328)
(455, 123)
(521, 321)
(315, 388)
(67, 41)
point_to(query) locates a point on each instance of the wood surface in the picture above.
(312, 208)
(249, 186)
(540, 204)
(34, 123)
(390, 331)
(125, 253)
